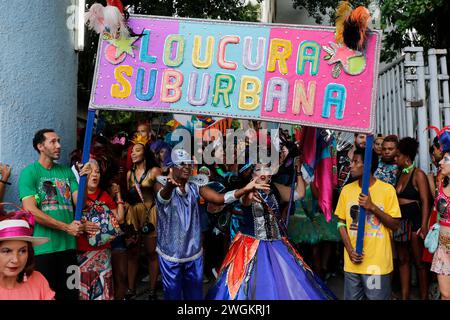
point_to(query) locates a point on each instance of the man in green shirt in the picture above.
(49, 191)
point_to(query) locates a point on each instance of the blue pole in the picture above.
(84, 160)
(365, 190)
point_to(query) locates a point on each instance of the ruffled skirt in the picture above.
(266, 270)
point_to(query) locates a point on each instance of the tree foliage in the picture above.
(415, 23)
(404, 22)
(203, 9)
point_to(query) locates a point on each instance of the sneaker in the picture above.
(152, 295)
(433, 291)
(146, 279)
(130, 294)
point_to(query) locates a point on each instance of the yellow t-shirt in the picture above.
(377, 247)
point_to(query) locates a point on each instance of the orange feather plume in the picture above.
(361, 17)
(342, 13)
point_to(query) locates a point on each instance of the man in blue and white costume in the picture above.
(178, 229)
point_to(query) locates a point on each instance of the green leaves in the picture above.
(405, 22)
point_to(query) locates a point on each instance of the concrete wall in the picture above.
(38, 80)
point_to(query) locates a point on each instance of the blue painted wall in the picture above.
(38, 80)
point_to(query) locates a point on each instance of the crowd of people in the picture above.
(253, 231)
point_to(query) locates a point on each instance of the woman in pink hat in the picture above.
(18, 280)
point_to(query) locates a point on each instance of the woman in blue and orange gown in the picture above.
(261, 264)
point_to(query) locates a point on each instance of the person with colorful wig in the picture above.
(261, 263)
(441, 258)
(18, 279)
(179, 232)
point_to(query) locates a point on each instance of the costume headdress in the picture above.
(351, 25)
(17, 224)
(108, 19)
(139, 139)
(443, 136)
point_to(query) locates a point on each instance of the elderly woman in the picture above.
(94, 247)
(261, 264)
(18, 280)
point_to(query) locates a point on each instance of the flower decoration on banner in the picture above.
(351, 34)
(110, 22)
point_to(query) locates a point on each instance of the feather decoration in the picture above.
(355, 27)
(94, 18)
(437, 130)
(115, 3)
(342, 13)
(115, 22)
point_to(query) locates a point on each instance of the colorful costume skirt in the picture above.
(441, 258)
(266, 270)
(96, 275)
(303, 229)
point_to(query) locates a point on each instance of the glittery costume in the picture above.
(137, 214)
(179, 244)
(262, 265)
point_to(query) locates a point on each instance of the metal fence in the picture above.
(413, 94)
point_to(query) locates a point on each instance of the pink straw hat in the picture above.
(18, 225)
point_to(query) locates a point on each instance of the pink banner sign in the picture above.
(279, 73)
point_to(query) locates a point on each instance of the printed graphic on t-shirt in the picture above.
(387, 172)
(373, 224)
(55, 194)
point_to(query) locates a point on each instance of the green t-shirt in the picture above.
(53, 190)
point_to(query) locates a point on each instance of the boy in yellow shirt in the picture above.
(367, 276)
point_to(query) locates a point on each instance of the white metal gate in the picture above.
(414, 94)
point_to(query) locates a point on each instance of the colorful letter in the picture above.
(221, 52)
(116, 92)
(312, 57)
(281, 56)
(225, 91)
(300, 98)
(171, 91)
(139, 90)
(143, 53)
(281, 95)
(205, 63)
(250, 90)
(170, 40)
(335, 94)
(203, 91)
(247, 53)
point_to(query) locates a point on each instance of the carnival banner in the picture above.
(279, 73)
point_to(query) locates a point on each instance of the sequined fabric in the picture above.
(178, 231)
